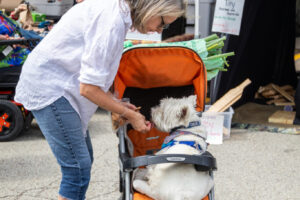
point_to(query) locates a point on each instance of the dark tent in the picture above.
(264, 49)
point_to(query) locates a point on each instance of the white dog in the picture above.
(173, 181)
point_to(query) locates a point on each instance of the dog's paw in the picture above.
(141, 186)
(140, 174)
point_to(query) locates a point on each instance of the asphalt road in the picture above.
(251, 165)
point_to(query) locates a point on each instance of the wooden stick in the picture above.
(284, 104)
(282, 117)
(138, 108)
(264, 88)
(229, 98)
(269, 93)
(283, 93)
(287, 87)
(231, 103)
(278, 96)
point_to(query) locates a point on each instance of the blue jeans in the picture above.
(61, 126)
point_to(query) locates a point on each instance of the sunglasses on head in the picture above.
(163, 25)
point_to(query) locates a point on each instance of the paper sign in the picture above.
(214, 128)
(228, 16)
(7, 50)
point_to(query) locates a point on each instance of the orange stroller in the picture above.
(146, 75)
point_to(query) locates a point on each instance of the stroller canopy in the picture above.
(162, 67)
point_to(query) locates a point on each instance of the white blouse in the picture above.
(85, 46)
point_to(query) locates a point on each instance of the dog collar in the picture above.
(191, 124)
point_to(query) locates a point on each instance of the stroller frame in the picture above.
(203, 162)
(127, 164)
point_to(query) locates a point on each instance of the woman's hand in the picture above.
(138, 121)
(129, 105)
(104, 100)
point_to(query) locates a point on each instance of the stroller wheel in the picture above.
(121, 182)
(121, 186)
(11, 121)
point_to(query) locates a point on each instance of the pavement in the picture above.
(251, 165)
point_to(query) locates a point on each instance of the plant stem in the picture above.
(211, 37)
(220, 56)
(215, 42)
(215, 46)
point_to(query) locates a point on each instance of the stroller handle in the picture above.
(203, 162)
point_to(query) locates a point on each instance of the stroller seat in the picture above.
(145, 76)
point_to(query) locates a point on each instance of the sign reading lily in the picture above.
(228, 16)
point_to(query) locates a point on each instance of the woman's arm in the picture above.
(105, 101)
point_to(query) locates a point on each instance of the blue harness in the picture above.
(170, 140)
(189, 143)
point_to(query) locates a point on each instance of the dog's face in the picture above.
(171, 113)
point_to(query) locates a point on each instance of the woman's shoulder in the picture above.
(112, 11)
(110, 5)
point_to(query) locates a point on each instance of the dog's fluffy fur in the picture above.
(175, 181)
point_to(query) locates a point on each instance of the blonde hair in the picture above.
(143, 10)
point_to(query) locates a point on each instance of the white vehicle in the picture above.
(51, 8)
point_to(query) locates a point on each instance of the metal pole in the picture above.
(197, 21)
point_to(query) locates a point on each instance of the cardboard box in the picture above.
(9, 5)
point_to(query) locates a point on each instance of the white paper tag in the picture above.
(7, 50)
(228, 16)
(214, 127)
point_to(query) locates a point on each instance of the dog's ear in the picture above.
(193, 99)
(156, 114)
(183, 113)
